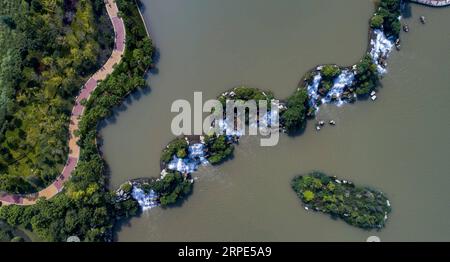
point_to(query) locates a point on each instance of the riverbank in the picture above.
(85, 198)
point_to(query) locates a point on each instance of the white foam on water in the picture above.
(381, 47)
(343, 81)
(146, 201)
(312, 91)
(229, 128)
(269, 118)
(189, 164)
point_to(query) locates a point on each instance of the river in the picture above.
(398, 144)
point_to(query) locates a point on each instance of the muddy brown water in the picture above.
(398, 144)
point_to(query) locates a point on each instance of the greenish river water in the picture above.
(399, 144)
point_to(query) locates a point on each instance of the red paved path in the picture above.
(77, 111)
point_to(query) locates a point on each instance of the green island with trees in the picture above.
(362, 207)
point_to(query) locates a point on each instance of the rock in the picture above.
(163, 173)
(422, 19)
(405, 28)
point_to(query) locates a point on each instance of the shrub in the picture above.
(219, 149)
(294, 117)
(376, 21)
(177, 147)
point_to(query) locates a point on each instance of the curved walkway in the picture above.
(77, 111)
(436, 3)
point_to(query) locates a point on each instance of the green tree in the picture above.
(308, 196)
(376, 21)
(294, 117)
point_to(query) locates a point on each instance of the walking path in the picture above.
(77, 111)
(436, 3)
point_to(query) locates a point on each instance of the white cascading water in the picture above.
(381, 47)
(189, 164)
(146, 201)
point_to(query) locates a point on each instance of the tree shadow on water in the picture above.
(406, 10)
(156, 56)
(124, 105)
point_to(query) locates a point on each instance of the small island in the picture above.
(361, 207)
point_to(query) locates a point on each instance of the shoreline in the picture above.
(139, 4)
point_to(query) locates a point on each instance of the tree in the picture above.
(294, 117)
(219, 149)
(308, 196)
(177, 147)
(329, 72)
(376, 21)
(366, 78)
(9, 22)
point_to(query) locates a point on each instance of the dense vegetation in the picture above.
(177, 147)
(246, 93)
(219, 149)
(7, 234)
(48, 50)
(366, 78)
(294, 117)
(358, 206)
(172, 188)
(386, 17)
(85, 208)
